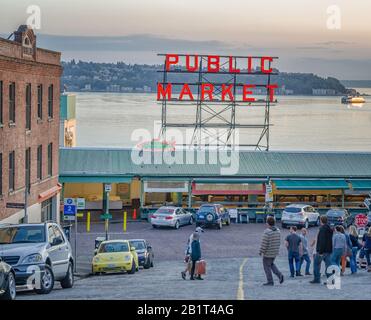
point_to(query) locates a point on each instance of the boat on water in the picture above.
(353, 99)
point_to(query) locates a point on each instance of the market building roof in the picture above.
(120, 165)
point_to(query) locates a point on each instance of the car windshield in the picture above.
(138, 245)
(114, 247)
(335, 213)
(293, 209)
(207, 209)
(165, 210)
(22, 234)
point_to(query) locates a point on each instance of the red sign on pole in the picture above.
(361, 220)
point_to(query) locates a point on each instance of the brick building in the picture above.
(29, 129)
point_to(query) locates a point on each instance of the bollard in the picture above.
(88, 222)
(125, 218)
(135, 214)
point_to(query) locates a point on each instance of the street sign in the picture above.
(69, 218)
(106, 216)
(80, 203)
(107, 187)
(361, 220)
(69, 208)
(15, 205)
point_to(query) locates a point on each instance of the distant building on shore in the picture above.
(29, 129)
(323, 92)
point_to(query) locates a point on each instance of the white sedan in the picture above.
(171, 217)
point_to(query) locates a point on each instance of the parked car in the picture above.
(300, 215)
(38, 247)
(171, 217)
(7, 282)
(212, 215)
(144, 252)
(115, 256)
(339, 216)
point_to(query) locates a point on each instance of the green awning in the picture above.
(310, 184)
(361, 184)
(94, 179)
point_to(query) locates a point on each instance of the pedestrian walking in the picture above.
(366, 242)
(339, 244)
(347, 251)
(305, 252)
(323, 249)
(269, 250)
(195, 255)
(353, 236)
(187, 257)
(294, 247)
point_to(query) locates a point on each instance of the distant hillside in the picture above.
(122, 77)
(356, 83)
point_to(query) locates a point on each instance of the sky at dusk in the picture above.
(134, 31)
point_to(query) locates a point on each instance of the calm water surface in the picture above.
(299, 122)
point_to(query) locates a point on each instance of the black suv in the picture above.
(212, 215)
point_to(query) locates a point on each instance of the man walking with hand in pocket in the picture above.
(269, 250)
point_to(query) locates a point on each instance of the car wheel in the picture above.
(10, 292)
(46, 281)
(147, 265)
(154, 226)
(68, 281)
(306, 225)
(191, 220)
(198, 224)
(176, 225)
(228, 222)
(133, 268)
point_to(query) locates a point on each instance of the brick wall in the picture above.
(43, 132)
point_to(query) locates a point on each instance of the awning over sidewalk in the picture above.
(361, 184)
(94, 179)
(49, 193)
(312, 184)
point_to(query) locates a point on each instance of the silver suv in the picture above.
(300, 215)
(39, 255)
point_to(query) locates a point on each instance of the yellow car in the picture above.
(115, 256)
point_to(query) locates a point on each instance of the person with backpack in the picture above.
(269, 250)
(294, 247)
(323, 249)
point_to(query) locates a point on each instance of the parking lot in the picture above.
(234, 269)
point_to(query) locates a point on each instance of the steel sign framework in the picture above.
(218, 114)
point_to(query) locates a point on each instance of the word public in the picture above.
(215, 65)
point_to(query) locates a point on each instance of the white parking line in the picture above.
(240, 291)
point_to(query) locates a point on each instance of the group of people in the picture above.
(332, 246)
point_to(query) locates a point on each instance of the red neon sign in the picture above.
(215, 64)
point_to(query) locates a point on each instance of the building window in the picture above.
(1, 174)
(46, 210)
(28, 169)
(11, 170)
(50, 101)
(12, 102)
(1, 102)
(40, 101)
(40, 162)
(28, 106)
(50, 159)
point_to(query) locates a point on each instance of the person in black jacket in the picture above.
(195, 254)
(323, 249)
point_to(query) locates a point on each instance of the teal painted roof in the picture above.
(311, 184)
(254, 164)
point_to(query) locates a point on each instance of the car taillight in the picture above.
(169, 217)
(153, 216)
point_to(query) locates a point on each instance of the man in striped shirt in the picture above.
(269, 250)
